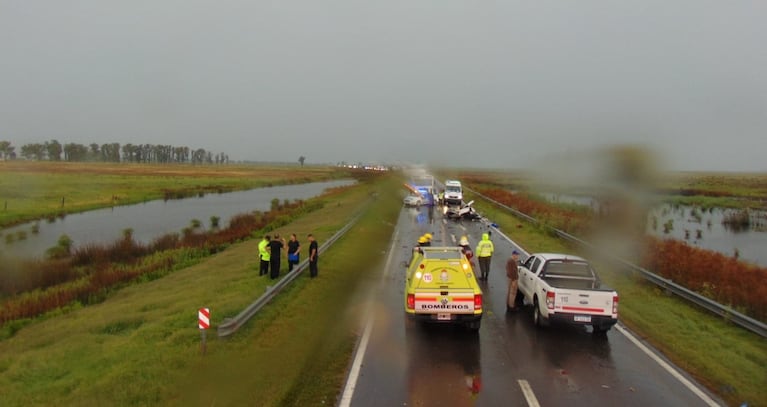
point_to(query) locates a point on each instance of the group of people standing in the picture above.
(270, 252)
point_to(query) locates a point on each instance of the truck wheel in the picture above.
(519, 300)
(599, 331)
(473, 326)
(537, 314)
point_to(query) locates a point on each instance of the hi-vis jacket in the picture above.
(263, 252)
(484, 247)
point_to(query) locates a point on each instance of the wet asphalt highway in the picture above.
(509, 362)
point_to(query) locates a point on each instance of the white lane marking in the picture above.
(388, 259)
(452, 236)
(354, 373)
(692, 387)
(462, 227)
(528, 392)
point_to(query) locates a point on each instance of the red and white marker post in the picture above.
(203, 317)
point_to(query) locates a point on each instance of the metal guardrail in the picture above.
(231, 325)
(724, 311)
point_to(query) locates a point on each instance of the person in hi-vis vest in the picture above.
(484, 253)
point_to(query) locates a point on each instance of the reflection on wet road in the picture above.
(438, 374)
(407, 364)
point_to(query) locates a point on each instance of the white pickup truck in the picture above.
(565, 288)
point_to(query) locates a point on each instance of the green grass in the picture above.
(141, 346)
(714, 202)
(36, 190)
(745, 185)
(729, 360)
(726, 358)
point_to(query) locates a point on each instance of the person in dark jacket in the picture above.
(294, 247)
(275, 247)
(314, 255)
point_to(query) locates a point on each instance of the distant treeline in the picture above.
(111, 152)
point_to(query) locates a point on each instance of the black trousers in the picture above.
(275, 271)
(484, 265)
(264, 268)
(313, 268)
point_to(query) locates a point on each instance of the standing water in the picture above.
(706, 229)
(151, 219)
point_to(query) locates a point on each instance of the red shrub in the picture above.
(17, 276)
(560, 218)
(710, 273)
(98, 264)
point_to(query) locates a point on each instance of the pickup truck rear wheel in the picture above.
(537, 314)
(599, 331)
(519, 300)
(473, 326)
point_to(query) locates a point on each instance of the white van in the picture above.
(453, 192)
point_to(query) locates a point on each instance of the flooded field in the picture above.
(151, 219)
(733, 232)
(718, 229)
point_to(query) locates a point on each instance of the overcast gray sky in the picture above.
(481, 83)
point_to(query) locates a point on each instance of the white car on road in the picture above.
(413, 200)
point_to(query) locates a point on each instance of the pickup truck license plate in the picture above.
(582, 318)
(443, 317)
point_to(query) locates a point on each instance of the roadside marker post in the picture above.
(203, 317)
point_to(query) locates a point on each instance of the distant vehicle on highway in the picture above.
(565, 288)
(413, 200)
(441, 288)
(425, 186)
(453, 193)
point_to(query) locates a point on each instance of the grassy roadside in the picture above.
(735, 190)
(727, 359)
(297, 350)
(33, 190)
(142, 346)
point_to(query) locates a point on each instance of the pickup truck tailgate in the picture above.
(584, 302)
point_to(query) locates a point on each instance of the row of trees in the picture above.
(112, 152)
